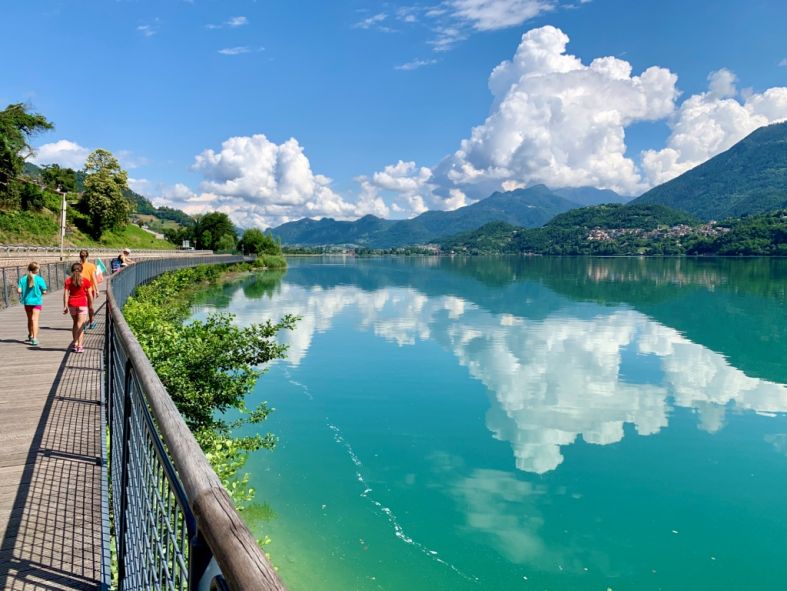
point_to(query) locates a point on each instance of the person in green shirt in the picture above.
(31, 289)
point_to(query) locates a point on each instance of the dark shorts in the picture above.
(31, 308)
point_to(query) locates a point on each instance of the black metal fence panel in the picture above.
(54, 274)
(158, 544)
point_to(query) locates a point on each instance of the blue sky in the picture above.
(273, 111)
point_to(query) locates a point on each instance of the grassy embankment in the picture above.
(41, 228)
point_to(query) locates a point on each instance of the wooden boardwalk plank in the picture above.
(50, 453)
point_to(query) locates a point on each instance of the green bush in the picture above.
(31, 197)
(208, 366)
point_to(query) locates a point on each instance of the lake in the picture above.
(523, 423)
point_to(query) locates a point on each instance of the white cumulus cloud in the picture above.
(711, 122)
(63, 152)
(72, 155)
(558, 121)
(409, 189)
(260, 183)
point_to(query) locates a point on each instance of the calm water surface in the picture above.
(561, 424)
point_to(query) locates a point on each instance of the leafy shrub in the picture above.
(208, 366)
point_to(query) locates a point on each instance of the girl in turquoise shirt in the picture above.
(31, 289)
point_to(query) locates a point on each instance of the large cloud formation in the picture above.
(409, 189)
(557, 121)
(63, 152)
(259, 182)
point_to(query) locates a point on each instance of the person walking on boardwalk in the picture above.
(78, 301)
(31, 289)
(89, 273)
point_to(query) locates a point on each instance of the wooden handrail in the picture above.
(242, 562)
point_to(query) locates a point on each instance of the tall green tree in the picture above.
(213, 230)
(17, 124)
(103, 199)
(256, 242)
(59, 178)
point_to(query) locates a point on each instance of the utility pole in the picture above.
(62, 220)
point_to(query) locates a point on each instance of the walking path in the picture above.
(52, 526)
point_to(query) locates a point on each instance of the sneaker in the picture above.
(92, 326)
(79, 350)
(28, 338)
(34, 342)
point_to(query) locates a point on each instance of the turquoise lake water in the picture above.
(524, 423)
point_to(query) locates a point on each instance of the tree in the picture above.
(179, 235)
(210, 230)
(103, 199)
(16, 127)
(31, 196)
(225, 244)
(256, 242)
(59, 178)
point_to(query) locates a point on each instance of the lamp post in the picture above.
(62, 220)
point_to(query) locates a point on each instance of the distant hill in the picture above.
(600, 229)
(330, 231)
(529, 208)
(586, 196)
(750, 177)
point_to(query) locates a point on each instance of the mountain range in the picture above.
(749, 178)
(529, 208)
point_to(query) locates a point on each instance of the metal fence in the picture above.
(15, 250)
(53, 273)
(175, 525)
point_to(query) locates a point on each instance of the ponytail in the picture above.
(32, 269)
(76, 274)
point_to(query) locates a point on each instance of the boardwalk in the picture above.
(51, 518)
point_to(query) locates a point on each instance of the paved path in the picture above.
(51, 439)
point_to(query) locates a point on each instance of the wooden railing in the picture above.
(175, 525)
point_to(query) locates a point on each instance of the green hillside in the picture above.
(612, 216)
(750, 177)
(330, 231)
(41, 228)
(630, 230)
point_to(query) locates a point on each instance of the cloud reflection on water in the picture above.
(550, 380)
